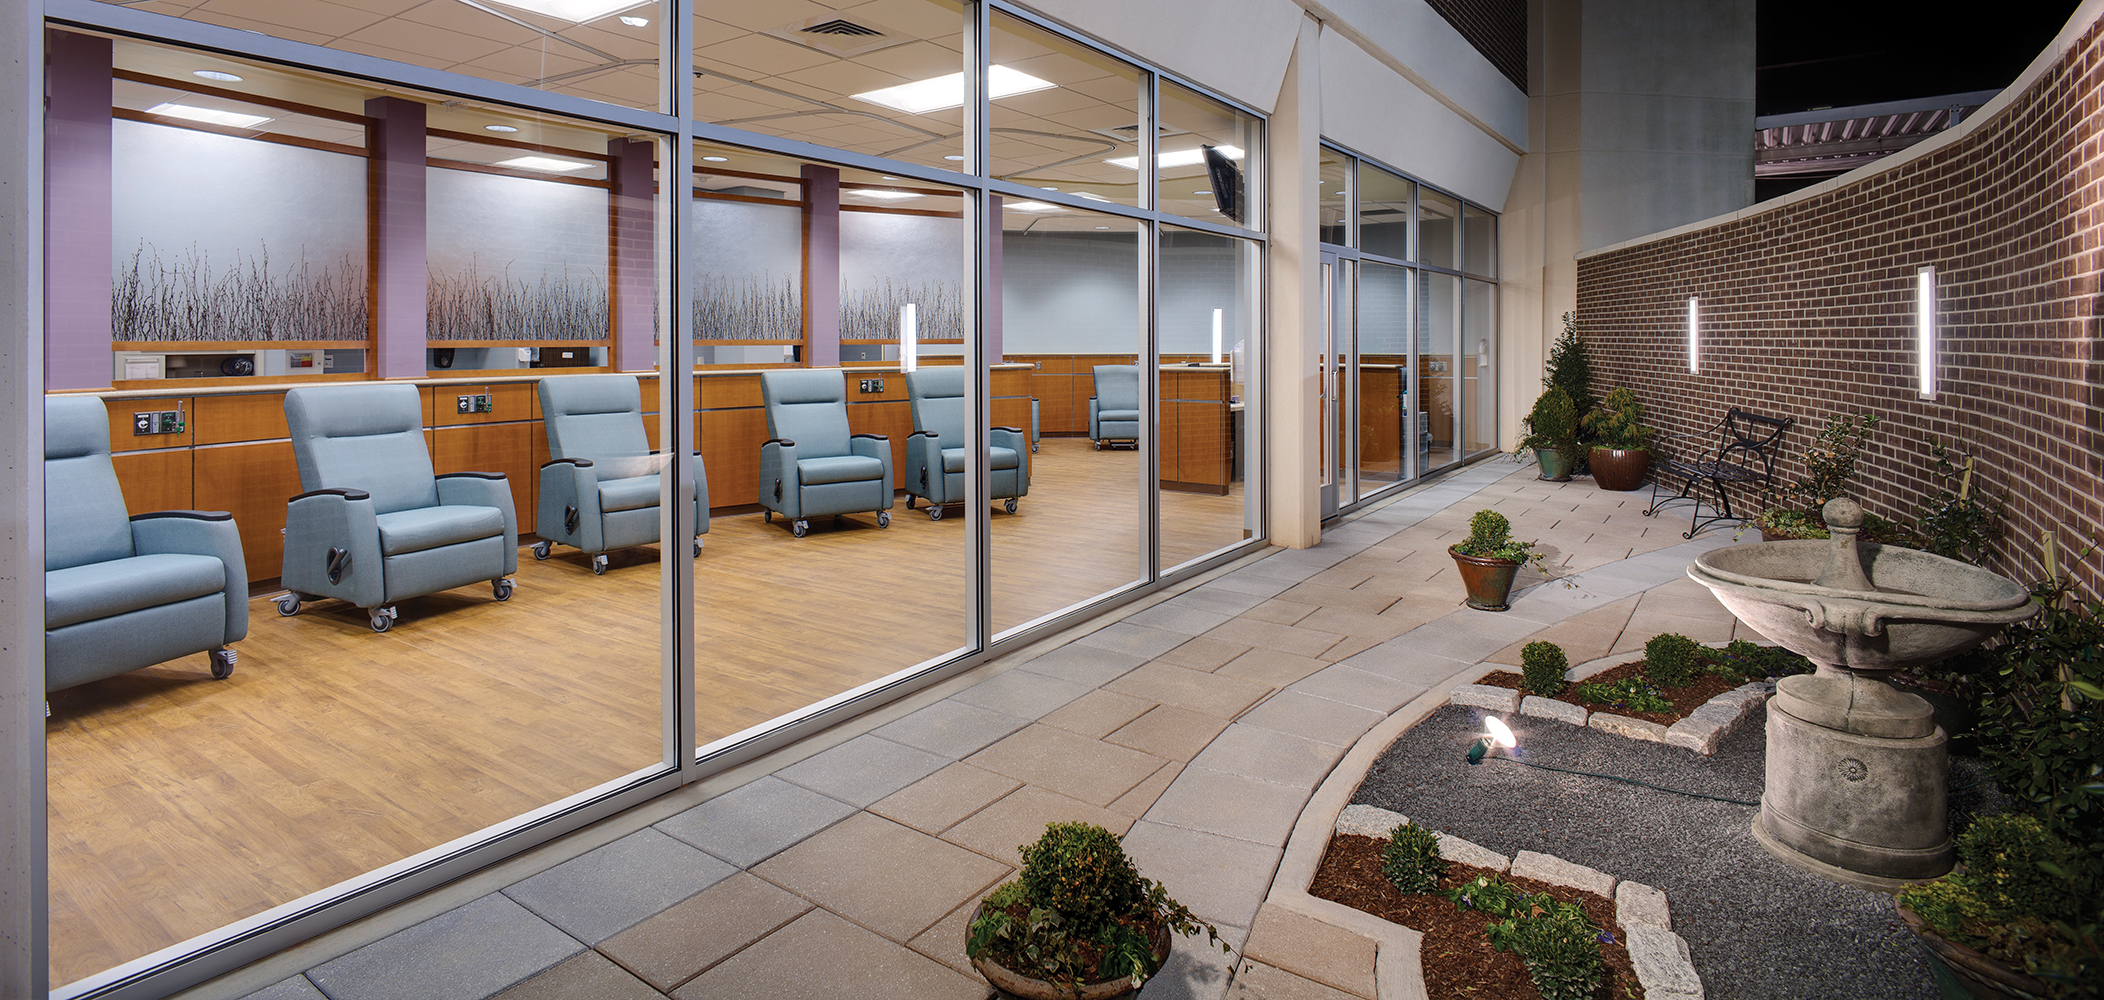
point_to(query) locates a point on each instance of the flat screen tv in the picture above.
(1226, 181)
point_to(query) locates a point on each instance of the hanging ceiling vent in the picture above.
(838, 36)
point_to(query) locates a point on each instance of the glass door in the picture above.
(1335, 378)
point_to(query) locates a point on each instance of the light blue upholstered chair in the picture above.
(935, 454)
(1114, 411)
(811, 466)
(122, 592)
(599, 491)
(375, 525)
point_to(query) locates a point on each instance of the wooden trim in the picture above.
(515, 342)
(531, 175)
(713, 170)
(888, 210)
(238, 133)
(753, 198)
(793, 340)
(492, 139)
(199, 346)
(260, 100)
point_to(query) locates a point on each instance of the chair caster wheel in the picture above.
(288, 606)
(1011, 505)
(697, 548)
(501, 589)
(598, 567)
(541, 550)
(1098, 444)
(383, 618)
(884, 518)
(223, 663)
(800, 527)
(934, 512)
(767, 517)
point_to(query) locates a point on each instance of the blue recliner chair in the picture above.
(121, 592)
(1114, 411)
(375, 525)
(935, 453)
(599, 491)
(811, 466)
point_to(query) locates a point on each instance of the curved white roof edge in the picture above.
(2077, 25)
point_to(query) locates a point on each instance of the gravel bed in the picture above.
(1758, 928)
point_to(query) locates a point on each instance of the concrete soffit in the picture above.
(2077, 25)
(1237, 48)
(1430, 34)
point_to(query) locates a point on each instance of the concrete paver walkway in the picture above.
(1197, 725)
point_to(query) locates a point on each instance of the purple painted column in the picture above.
(821, 266)
(631, 253)
(395, 239)
(78, 180)
(993, 279)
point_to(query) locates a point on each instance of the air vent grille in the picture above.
(839, 26)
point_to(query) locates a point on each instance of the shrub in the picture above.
(1673, 660)
(2018, 869)
(1751, 661)
(1490, 536)
(1619, 422)
(1080, 871)
(1633, 693)
(1551, 425)
(1488, 894)
(1560, 946)
(1544, 663)
(1569, 367)
(1411, 859)
(2039, 702)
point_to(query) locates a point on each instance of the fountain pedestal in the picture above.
(1857, 771)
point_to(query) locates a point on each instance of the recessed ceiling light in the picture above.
(885, 195)
(1102, 227)
(499, 128)
(546, 164)
(213, 74)
(888, 177)
(636, 22)
(1207, 191)
(953, 157)
(1048, 188)
(1180, 158)
(579, 11)
(716, 159)
(233, 119)
(945, 92)
(1090, 195)
(1033, 206)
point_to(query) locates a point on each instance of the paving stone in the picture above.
(1093, 665)
(473, 951)
(587, 977)
(1259, 981)
(1454, 848)
(863, 769)
(1270, 667)
(998, 830)
(821, 955)
(940, 800)
(1549, 708)
(1312, 950)
(1176, 618)
(1699, 735)
(1280, 611)
(1169, 732)
(1196, 969)
(603, 892)
(1261, 813)
(1350, 646)
(1025, 694)
(1663, 964)
(951, 728)
(296, 988)
(1135, 803)
(670, 948)
(1557, 871)
(1361, 820)
(1203, 654)
(1273, 756)
(1344, 683)
(1223, 600)
(1098, 713)
(1284, 638)
(891, 879)
(1398, 659)
(944, 942)
(1221, 879)
(1090, 770)
(1496, 699)
(1639, 905)
(1313, 718)
(1622, 725)
(748, 824)
(1138, 640)
(1196, 690)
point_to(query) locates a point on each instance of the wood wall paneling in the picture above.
(505, 448)
(121, 437)
(253, 482)
(249, 417)
(155, 480)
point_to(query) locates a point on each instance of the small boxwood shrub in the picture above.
(1412, 860)
(1560, 946)
(2009, 861)
(1488, 894)
(1672, 660)
(1633, 693)
(1544, 663)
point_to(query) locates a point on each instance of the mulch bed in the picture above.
(1685, 699)
(1459, 963)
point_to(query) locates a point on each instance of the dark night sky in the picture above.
(1837, 53)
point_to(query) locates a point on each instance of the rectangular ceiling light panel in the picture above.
(1180, 158)
(946, 92)
(546, 164)
(578, 11)
(231, 119)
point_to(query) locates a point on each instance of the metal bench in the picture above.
(1742, 458)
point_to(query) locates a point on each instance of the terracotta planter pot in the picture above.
(1489, 581)
(1620, 469)
(1015, 984)
(1982, 977)
(1553, 467)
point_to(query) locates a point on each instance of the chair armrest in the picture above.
(1011, 430)
(333, 492)
(925, 434)
(201, 533)
(872, 437)
(485, 489)
(1008, 437)
(497, 476)
(875, 446)
(582, 463)
(779, 487)
(344, 520)
(567, 486)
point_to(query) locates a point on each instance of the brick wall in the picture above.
(1497, 28)
(1808, 310)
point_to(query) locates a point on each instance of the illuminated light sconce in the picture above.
(1497, 735)
(909, 339)
(1694, 338)
(1216, 336)
(1925, 331)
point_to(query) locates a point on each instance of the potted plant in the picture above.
(1078, 922)
(1619, 457)
(1552, 436)
(2019, 919)
(1489, 560)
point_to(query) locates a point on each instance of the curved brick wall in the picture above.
(1808, 310)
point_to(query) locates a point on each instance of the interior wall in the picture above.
(1069, 293)
(1808, 311)
(514, 257)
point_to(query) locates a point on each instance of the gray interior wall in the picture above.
(1200, 273)
(1070, 293)
(748, 269)
(889, 260)
(492, 224)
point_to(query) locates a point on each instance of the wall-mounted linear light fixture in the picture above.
(1694, 338)
(1925, 331)
(1216, 336)
(210, 116)
(909, 338)
(546, 164)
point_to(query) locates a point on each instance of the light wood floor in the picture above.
(179, 804)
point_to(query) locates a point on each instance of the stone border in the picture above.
(1700, 731)
(1664, 967)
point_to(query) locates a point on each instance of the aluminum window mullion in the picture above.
(676, 404)
(1150, 332)
(984, 226)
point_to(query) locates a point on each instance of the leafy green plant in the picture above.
(1551, 425)
(1956, 523)
(2025, 897)
(1752, 661)
(1079, 912)
(1544, 663)
(2040, 711)
(2016, 867)
(1569, 367)
(1633, 693)
(1490, 537)
(1487, 894)
(1411, 860)
(1673, 660)
(1560, 946)
(1619, 422)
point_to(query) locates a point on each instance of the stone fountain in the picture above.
(1857, 770)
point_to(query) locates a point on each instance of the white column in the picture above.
(1292, 406)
